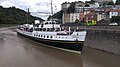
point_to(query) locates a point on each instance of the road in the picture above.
(17, 51)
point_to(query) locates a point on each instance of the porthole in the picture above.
(51, 37)
(47, 36)
(44, 36)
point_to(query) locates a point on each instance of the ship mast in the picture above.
(51, 11)
(28, 13)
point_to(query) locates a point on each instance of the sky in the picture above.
(36, 6)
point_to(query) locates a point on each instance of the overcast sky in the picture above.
(36, 6)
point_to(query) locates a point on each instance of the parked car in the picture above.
(113, 24)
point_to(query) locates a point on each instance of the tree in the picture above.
(87, 5)
(117, 2)
(90, 2)
(77, 21)
(116, 19)
(49, 17)
(14, 15)
(110, 3)
(57, 15)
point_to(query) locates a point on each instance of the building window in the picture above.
(92, 16)
(41, 35)
(79, 5)
(72, 16)
(44, 36)
(112, 13)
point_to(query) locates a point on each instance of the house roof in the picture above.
(91, 13)
(116, 10)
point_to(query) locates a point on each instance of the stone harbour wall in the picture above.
(104, 40)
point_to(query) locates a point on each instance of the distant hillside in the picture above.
(57, 15)
(14, 15)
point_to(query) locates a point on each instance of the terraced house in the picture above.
(94, 10)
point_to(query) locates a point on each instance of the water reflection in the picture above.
(54, 57)
(97, 58)
(1, 39)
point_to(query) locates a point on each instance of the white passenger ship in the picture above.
(52, 34)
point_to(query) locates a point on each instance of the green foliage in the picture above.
(58, 15)
(116, 19)
(117, 2)
(110, 3)
(90, 2)
(49, 17)
(71, 9)
(77, 21)
(107, 3)
(14, 15)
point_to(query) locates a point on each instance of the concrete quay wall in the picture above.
(106, 40)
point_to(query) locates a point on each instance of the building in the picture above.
(114, 12)
(65, 6)
(100, 15)
(81, 16)
(101, 1)
(81, 7)
(74, 17)
(90, 16)
(79, 4)
(66, 18)
(90, 11)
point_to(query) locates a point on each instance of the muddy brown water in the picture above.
(17, 51)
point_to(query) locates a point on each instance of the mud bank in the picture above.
(104, 40)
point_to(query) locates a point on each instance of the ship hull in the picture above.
(72, 46)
